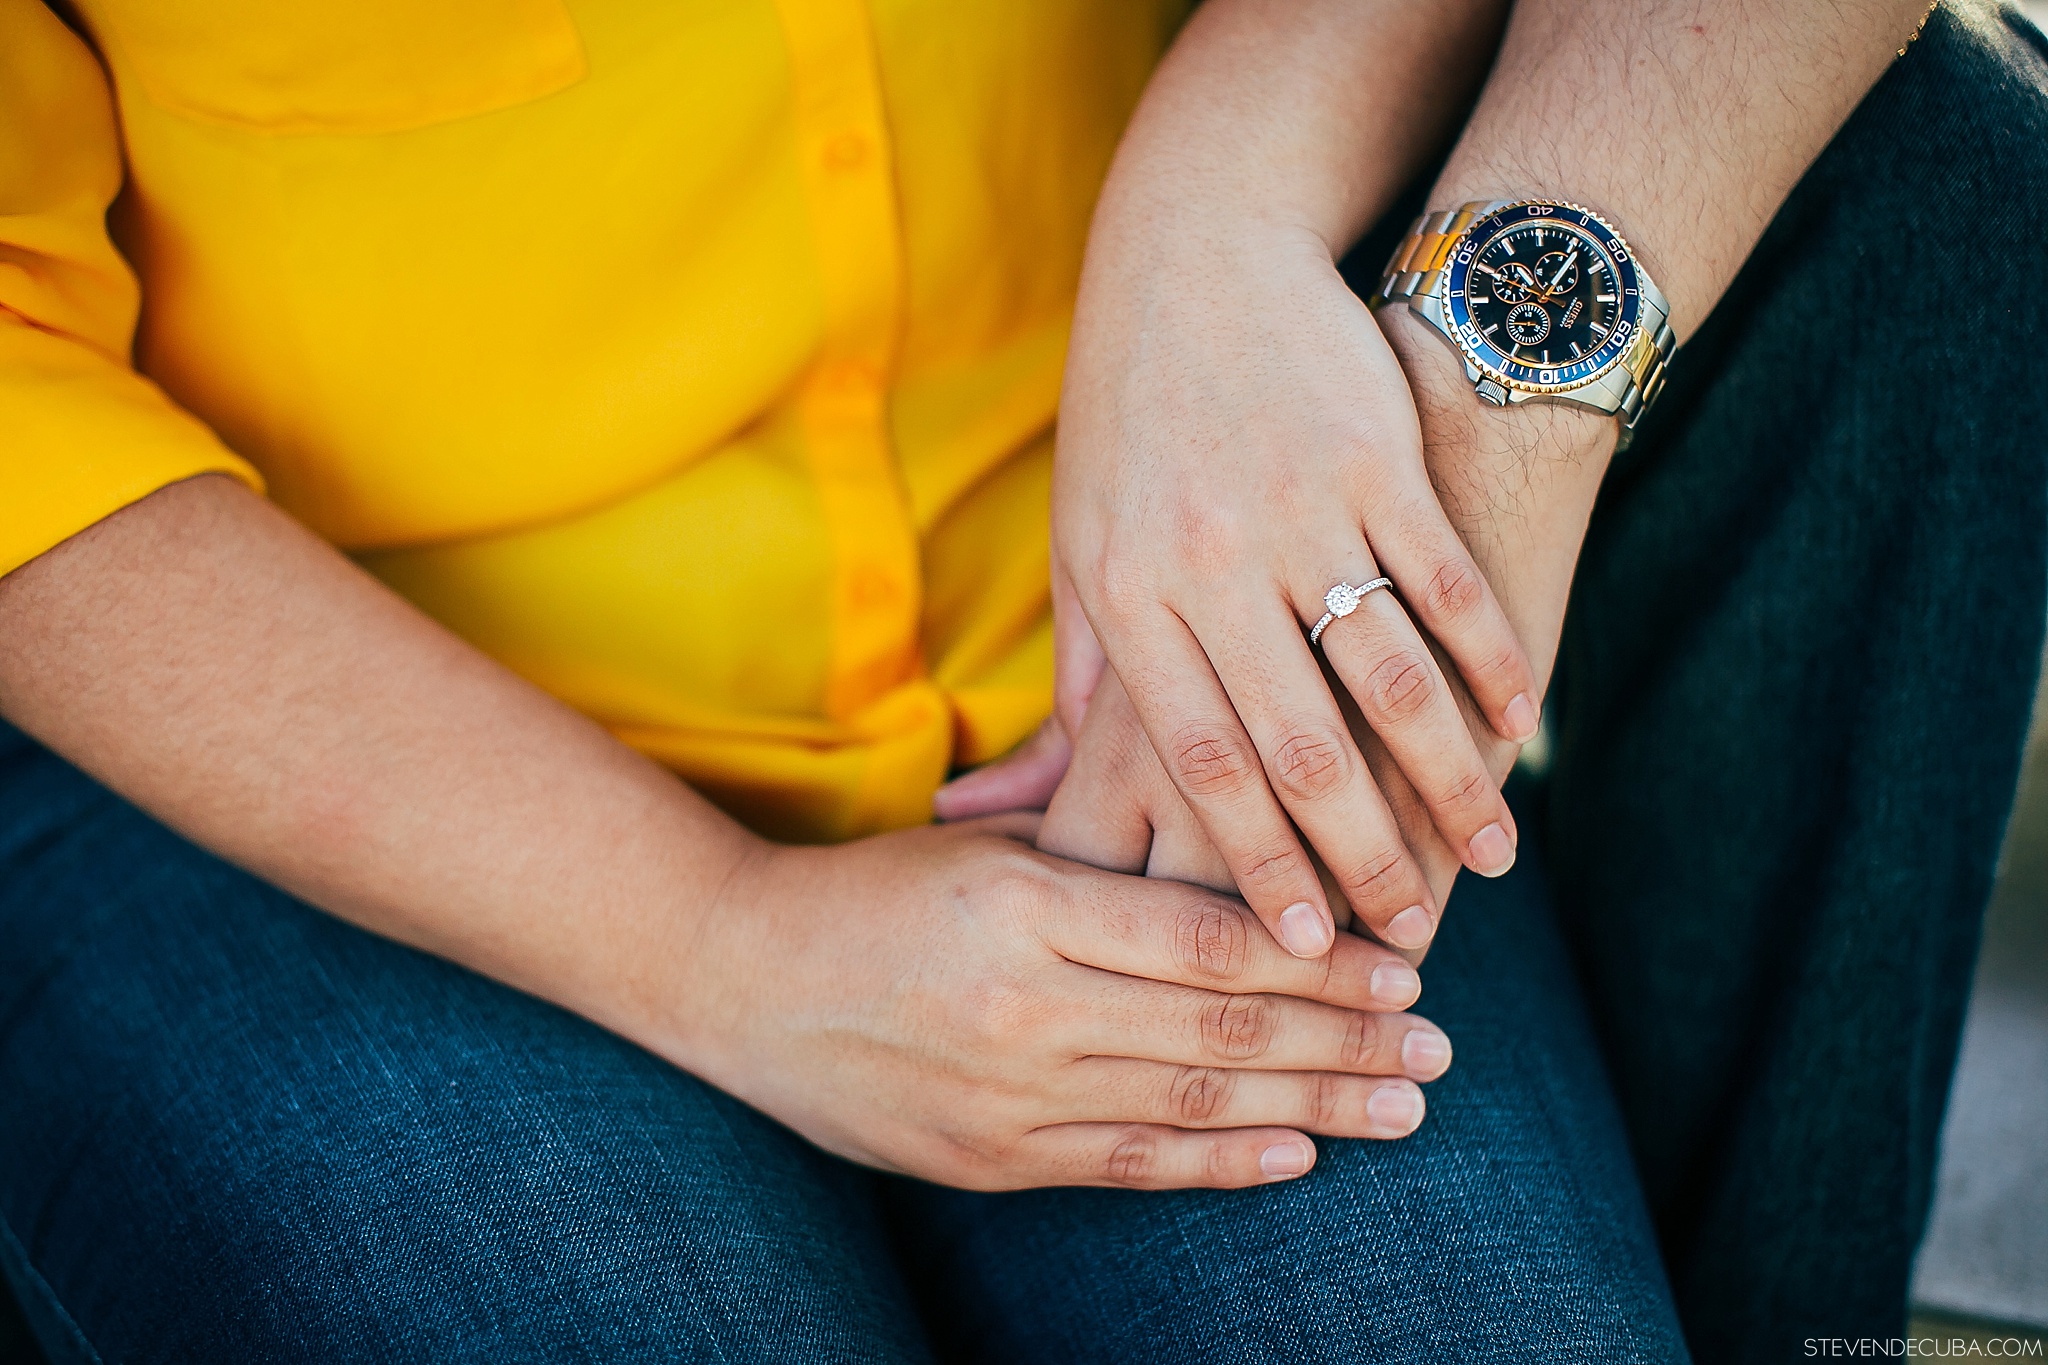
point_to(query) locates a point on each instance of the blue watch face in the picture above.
(1542, 297)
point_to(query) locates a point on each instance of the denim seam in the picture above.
(17, 1256)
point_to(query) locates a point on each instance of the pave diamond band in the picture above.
(1342, 600)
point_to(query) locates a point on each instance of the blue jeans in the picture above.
(233, 1128)
(1794, 681)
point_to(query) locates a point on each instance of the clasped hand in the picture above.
(1236, 436)
(949, 1003)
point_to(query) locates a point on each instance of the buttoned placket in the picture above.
(849, 180)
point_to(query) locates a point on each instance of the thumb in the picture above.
(1078, 659)
(1023, 779)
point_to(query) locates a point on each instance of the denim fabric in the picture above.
(1509, 1228)
(233, 1128)
(1793, 693)
(1794, 690)
(1791, 699)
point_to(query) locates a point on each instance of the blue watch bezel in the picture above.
(1499, 365)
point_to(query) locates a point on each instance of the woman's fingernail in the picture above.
(1396, 984)
(1411, 928)
(1285, 1160)
(1523, 719)
(1425, 1054)
(1492, 851)
(1306, 931)
(1396, 1108)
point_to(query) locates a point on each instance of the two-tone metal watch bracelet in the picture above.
(1543, 300)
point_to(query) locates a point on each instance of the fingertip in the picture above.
(1410, 930)
(1521, 719)
(1307, 930)
(1396, 1108)
(1288, 1159)
(1425, 1053)
(1395, 985)
(1491, 852)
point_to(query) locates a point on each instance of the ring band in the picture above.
(1342, 600)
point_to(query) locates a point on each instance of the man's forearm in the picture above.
(237, 678)
(1684, 124)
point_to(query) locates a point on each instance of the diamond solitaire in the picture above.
(1342, 600)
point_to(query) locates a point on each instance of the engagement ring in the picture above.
(1342, 600)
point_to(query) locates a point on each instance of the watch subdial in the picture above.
(1528, 323)
(1557, 273)
(1513, 282)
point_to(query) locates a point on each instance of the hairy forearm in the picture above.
(240, 680)
(1686, 124)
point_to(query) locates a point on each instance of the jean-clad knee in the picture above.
(232, 1128)
(235, 1128)
(1509, 1228)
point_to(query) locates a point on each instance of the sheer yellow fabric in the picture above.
(696, 359)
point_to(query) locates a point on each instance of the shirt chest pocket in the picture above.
(339, 66)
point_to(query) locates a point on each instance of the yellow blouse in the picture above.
(697, 359)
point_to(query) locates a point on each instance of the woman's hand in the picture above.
(1236, 436)
(1117, 809)
(950, 1004)
(1235, 440)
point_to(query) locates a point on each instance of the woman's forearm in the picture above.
(1302, 113)
(945, 1003)
(1684, 125)
(239, 679)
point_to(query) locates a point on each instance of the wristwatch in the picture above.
(1544, 301)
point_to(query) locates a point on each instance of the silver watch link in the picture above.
(1544, 300)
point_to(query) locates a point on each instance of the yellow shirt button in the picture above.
(845, 152)
(852, 377)
(871, 589)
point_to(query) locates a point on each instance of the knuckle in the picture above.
(1361, 1041)
(1323, 1101)
(1469, 792)
(1199, 1093)
(1133, 1159)
(1238, 1028)
(1311, 763)
(1211, 535)
(1208, 762)
(1454, 592)
(1325, 968)
(1398, 687)
(1124, 583)
(1376, 879)
(1000, 1010)
(1018, 888)
(1212, 942)
(1281, 863)
(1504, 662)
